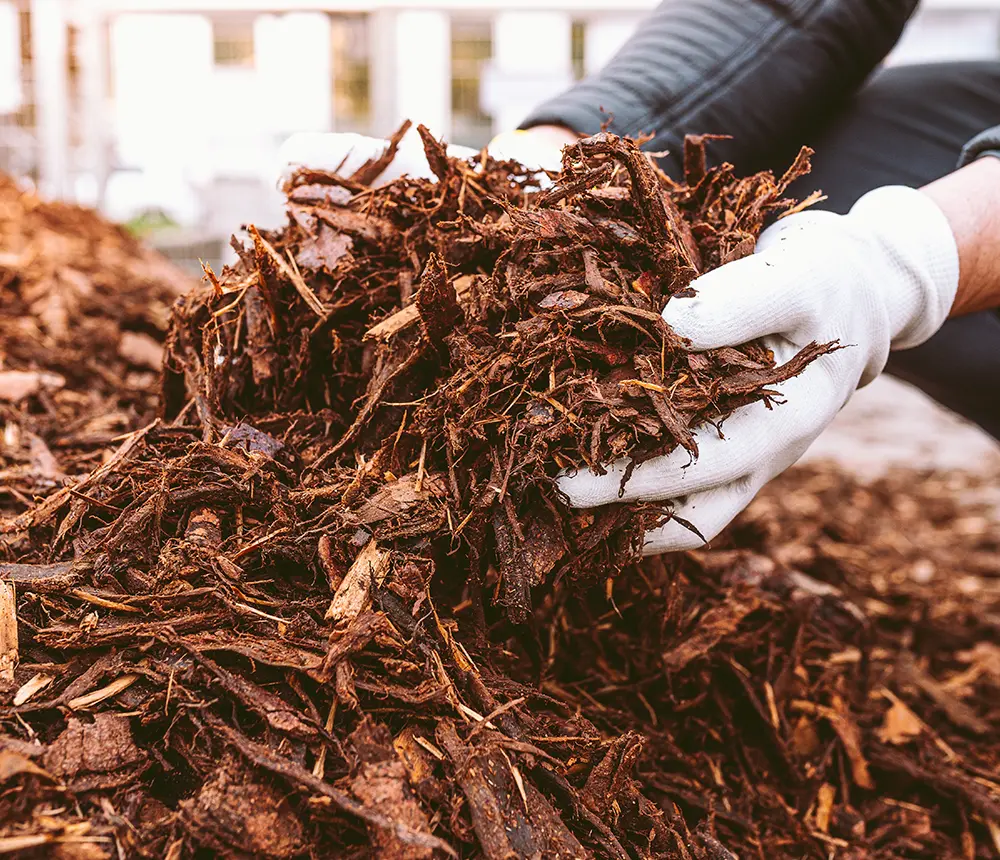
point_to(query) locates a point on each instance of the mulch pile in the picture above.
(331, 604)
(84, 309)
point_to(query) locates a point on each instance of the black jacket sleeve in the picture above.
(986, 143)
(753, 69)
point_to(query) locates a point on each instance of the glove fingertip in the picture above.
(671, 537)
(735, 303)
(584, 489)
(698, 320)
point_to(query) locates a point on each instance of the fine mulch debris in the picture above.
(330, 603)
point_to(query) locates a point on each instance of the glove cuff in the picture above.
(918, 247)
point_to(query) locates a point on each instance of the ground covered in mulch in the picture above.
(330, 603)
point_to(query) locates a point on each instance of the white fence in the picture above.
(179, 106)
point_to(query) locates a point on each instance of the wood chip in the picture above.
(8, 632)
(109, 691)
(16, 385)
(372, 564)
(33, 685)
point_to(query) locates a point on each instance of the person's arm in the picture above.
(970, 199)
(753, 69)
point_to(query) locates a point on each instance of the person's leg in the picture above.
(907, 126)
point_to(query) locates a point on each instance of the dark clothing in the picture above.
(776, 74)
(907, 126)
(984, 143)
(755, 69)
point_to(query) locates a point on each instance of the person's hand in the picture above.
(343, 152)
(883, 276)
(538, 147)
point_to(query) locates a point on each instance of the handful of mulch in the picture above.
(435, 352)
(331, 603)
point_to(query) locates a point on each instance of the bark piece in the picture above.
(93, 748)
(437, 302)
(380, 782)
(234, 815)
(141, 350)
(409, 315)
(512, 818)
(712, 628)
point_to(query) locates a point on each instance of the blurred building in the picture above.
(171, 111)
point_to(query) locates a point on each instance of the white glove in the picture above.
(344, 153)
(535, 148)
(883, 276)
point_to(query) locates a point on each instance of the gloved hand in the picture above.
(884, 276)
(538, 148)
(345, 152)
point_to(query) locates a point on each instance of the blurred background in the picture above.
(167, 114)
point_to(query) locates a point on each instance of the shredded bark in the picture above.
(330, 603)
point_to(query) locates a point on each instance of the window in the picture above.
(351, 54)
(18, 152)
(233, 41)
(579, 58)
(471, 48)
(26, 113)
